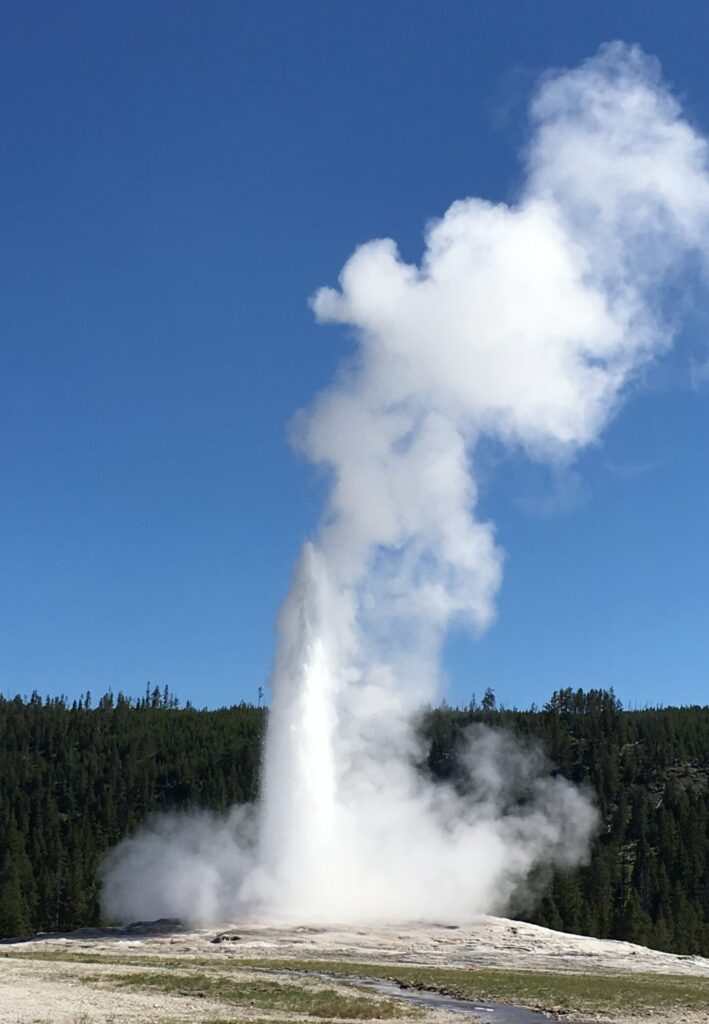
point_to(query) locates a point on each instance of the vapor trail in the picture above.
(525, 323)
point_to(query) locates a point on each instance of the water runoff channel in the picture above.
(494, 1013)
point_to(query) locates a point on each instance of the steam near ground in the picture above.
(526, 324)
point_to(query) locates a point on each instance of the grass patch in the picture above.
(262, 994)
(581, 993)
(122, 960)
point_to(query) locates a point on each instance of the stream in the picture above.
(495, 1013)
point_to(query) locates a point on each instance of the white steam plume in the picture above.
(524, 323)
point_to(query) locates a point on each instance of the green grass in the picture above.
(581, 993)
(301, 996)
(144, 960)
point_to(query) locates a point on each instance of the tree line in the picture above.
(77, 777)
(647, 880)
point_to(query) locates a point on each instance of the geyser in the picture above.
(525, 324)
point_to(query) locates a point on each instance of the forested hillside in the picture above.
(648, 878)
(75, 779)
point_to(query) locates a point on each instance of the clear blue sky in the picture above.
(176, 179)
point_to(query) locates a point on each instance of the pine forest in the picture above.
(77, 777)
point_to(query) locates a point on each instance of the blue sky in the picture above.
(177, 179)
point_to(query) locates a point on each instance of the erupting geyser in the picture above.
(526, 324)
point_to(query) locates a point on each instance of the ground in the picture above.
(268, 975)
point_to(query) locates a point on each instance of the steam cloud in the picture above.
(526, 324)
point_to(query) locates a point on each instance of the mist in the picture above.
(527, 324)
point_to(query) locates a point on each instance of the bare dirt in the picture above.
(37, 990)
